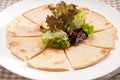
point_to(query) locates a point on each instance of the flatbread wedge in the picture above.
(22, 27)
(38, 15)
(105, 39)
(24, 47)
(50, 60)
(83, 55)
(99, 21)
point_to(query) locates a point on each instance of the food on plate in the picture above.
(99, 21)
(57, 37)
(81, 56)
(24, 47)
(23, 27)
(105, 38)
(66, 27)
(50, 59)
(38, 15)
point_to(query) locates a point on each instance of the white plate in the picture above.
(13, 64)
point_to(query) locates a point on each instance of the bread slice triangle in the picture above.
(38, 15)
(105, 39)
(97, 20)
(81, 56)
(50, 59)
(23, 27)
(24, 47)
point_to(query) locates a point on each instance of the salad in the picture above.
(65, 27)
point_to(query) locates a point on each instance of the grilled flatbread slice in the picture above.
(105, 39)
(99, 21)
(38, 15)
(83, 55)
(50, 59)
(24, 47)
(23, 27)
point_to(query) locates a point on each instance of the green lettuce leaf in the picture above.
(79, 19)
(80, 23)
(56, 39)
(89, 29)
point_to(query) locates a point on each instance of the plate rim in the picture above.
(19, 3)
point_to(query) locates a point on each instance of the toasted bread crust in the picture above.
(82, 56)
(24, 47)
(50, 60)
(95, 62)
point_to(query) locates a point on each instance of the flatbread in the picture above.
(22, 27)
(50, 59)
(24, 47)
(99, 21)
(105, 39)
(38, 15)
(83, 55)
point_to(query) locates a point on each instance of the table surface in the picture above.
(7, 75)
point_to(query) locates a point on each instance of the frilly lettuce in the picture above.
(57, 39)
(79, 21)
(66, 27)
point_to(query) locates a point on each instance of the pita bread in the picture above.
(38, 15)
(23, 27)
(24, 47)
(83, 55)
(105, 39)
(51, 60)
(99, 21)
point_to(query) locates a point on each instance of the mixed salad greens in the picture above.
(65, 27)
